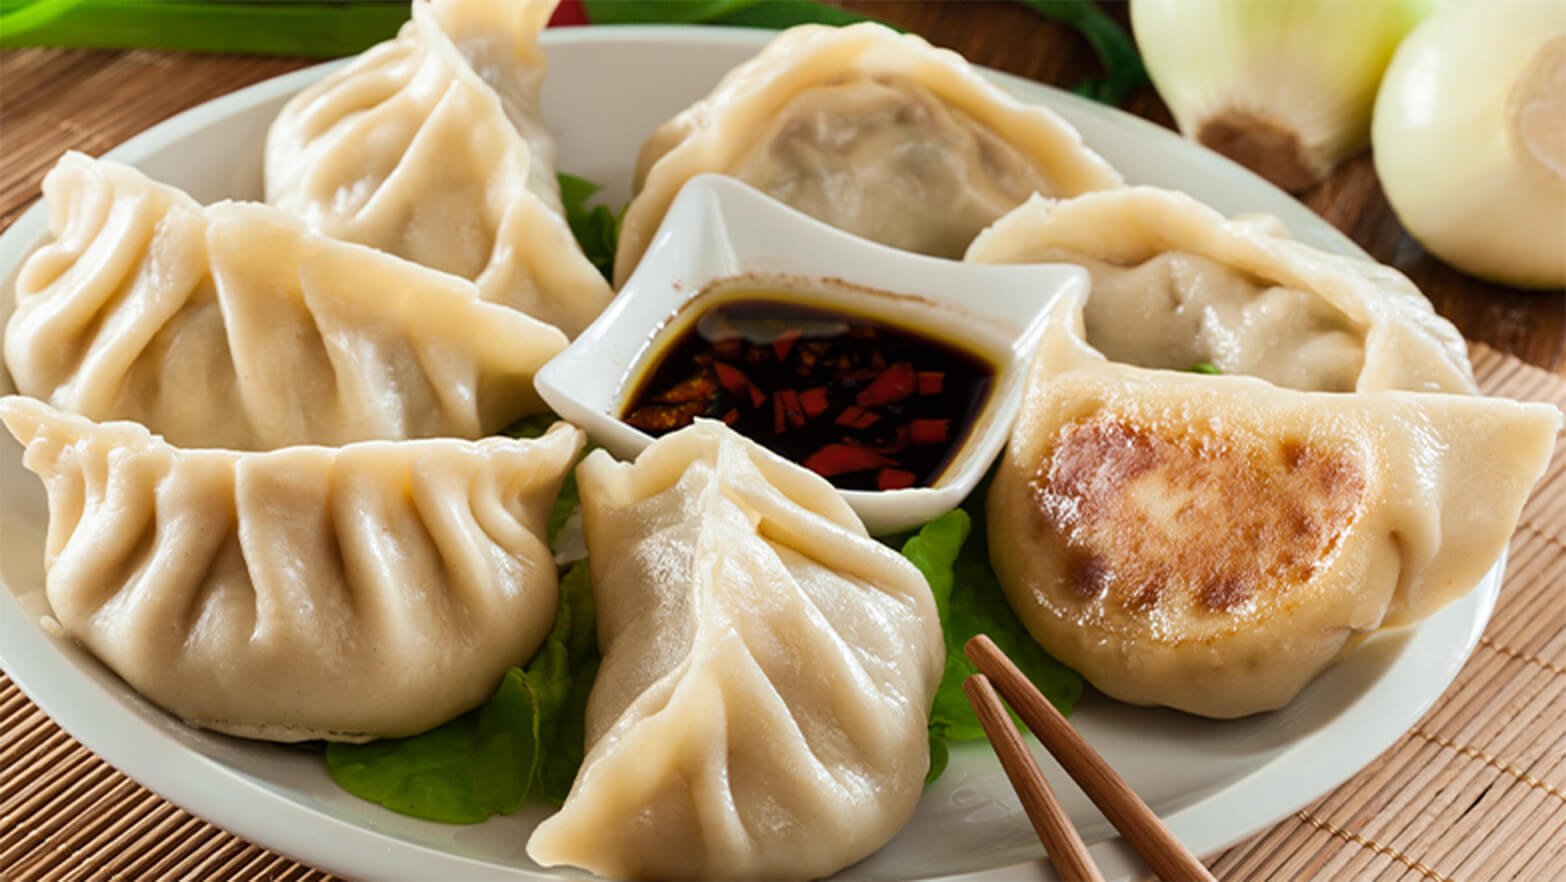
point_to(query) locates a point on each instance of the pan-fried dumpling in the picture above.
(235, 326)
(767, 674)
(874, 132)
(368, 591)
(1211, 543)
(1175, 284)
(431, 146)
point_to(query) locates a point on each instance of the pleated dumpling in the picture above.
(768, 669)
(1211, 543)
(874, 132)
(368, 591)
(1175, 284)
(235, 326)
(431, 146)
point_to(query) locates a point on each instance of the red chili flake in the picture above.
(840, 459)
(731, 378)
(814, 401)
(785, 342)
(791, 407)
(732, 416)
(931, 382)
(757, 397)
(856, 418)
(778, 422)
(894, 384)
(930, 431)
(894, 479)
(899, 442)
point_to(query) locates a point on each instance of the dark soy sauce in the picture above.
(867, 404)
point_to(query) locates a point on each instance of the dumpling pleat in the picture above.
(235, 326)
(310, 592)
(762, 704)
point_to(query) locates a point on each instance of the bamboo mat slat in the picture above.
(1473, 792)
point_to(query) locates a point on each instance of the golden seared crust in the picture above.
(1161, 528)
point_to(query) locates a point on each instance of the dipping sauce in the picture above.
(863, 402)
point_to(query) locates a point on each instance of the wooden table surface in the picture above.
(75, 92)
(93, 100)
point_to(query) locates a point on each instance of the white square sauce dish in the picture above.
(720, 234)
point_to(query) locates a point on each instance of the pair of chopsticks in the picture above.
(1165, 854)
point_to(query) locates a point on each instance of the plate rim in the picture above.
(71, 698)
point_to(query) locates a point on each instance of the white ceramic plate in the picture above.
(608, 88)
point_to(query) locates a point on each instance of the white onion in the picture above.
(1284, 87)
(1470, 138)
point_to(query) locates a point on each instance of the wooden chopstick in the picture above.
(1165, 854)
(1062, 843)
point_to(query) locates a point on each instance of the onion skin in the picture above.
(1469, 137)
(1283, 87)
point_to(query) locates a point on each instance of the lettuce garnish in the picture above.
(527, 738)
(951, 553)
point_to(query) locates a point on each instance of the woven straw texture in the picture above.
(1474, 791)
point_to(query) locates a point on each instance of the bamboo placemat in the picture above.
(1474, 791)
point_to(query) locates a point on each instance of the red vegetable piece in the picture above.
(731, 378)
(731, 417)
(894, 479)
(931, 382)
(778, 423)
(784, 343)
(792, 409)
(898, 444)
(814, 401)
(856, 418)
(841, 459)
(757, 397)
(930, 431)
(894, 384)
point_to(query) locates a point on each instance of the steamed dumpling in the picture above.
(767, 675)
(368, 591)
(1176, 284)
(431, 146)
(874, 132)
(1211, 543)
(235, 326)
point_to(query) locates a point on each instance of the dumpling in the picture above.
(431, 146)
(235, 326)
(874, 132)
(368, 591)
(767, 676)
(1175, 284)
(1211, 543)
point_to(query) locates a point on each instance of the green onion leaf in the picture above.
(771, 14)
(1122, 63)
(312, 28)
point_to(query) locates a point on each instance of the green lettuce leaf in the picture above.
(528, 735)
(597, 227)
(951, 552)
(564, 674)
(531, 426)
(460, 772)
